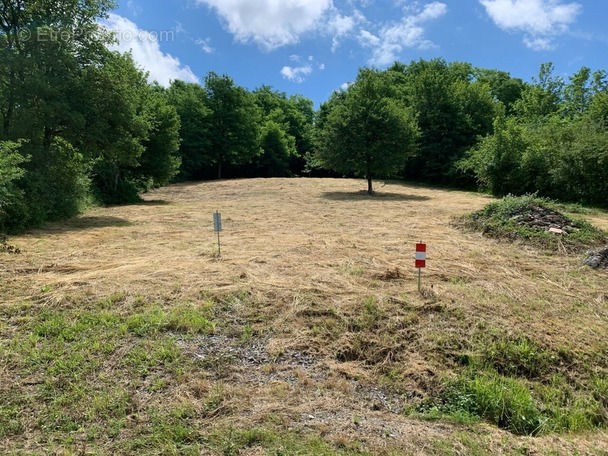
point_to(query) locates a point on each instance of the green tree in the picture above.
(41, 97)
(295, 116)
(541, 98)
(233, 123)
(160, 161)
(277, 149)
(370, 132)
(12, 206)
(496, 161)
(117, 125)
(452, 110)
(190, 102)
(503, 87)
(577, 93)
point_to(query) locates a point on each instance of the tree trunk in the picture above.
(370, 189)
(219, 169)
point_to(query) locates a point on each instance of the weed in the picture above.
(519, 357)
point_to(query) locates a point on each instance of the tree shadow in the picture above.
(153, 202)
(157, 202)
(85, 222)
(377, 196)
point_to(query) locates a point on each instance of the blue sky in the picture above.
(313, 47)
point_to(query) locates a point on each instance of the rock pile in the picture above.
(5, 247)
(546, 219)
(597, 258)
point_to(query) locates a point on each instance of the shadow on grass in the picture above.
(157, 202)
(84, 223)
(377, 196)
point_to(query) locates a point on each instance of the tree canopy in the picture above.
(370, 132)
(81, 124)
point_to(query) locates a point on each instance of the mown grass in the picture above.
(308, 337)
(109, 377)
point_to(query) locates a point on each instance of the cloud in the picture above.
(205, 45)
(302, 67)
(134, 8)
(393, 38)
(296, 74)
(270, 23)
(540, 20)
(340, 27)
(145, 48)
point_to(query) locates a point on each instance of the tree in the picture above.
(543, 97)
(496, 161)
(295, 117)
(452, 109)
(160, 162)
(11, 196)
(190, 102)
(277, 148)
(117, 125)
(370, 132)
(502, 86)
(233, 123)
(46, 48)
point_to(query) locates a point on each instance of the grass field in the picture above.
(123, 332)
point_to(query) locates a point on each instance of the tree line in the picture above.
(80, 124)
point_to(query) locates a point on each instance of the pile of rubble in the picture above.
(5, 247)
(546, 219)
(597, 258)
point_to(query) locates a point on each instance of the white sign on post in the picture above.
(217, 227)
(217, 221)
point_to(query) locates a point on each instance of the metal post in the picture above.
(219, 247)
(419, 280)
(217, 226)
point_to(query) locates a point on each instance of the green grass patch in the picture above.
(232, 442)
(518, 357)
(528, 218)
(79, 374)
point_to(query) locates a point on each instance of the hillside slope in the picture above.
(121, 330)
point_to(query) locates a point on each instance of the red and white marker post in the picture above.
(420, 261)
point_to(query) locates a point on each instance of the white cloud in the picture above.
(296, 74)
(270, 23)
(145, 48)
(368, 39)
(205, 45)
(540, 20)
(133, 7)
(394, 38)
(302, 67)
(275, 23)
(339, 27)
(539, 44)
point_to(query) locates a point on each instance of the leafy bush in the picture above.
(12, 205)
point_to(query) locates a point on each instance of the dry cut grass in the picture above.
(311, 335)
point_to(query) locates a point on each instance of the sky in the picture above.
(314, 47)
